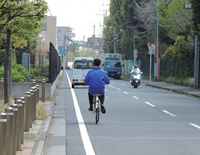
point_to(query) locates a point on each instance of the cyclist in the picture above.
(96, 79)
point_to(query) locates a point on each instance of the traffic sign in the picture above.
(62, 50)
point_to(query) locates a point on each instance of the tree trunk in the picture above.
(6, 68)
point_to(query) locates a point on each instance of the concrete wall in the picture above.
(19, 89)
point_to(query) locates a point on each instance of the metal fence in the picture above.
(54, 64)
(167, 68)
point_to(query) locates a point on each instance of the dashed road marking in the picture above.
(167, 112)
(118, 89)
(126, 92)
(150, 104)
(194, 125)
(111, 86)
(135, 97)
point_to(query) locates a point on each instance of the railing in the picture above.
(17, 118)
(54, 64)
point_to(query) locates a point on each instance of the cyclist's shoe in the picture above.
(90, 108)
(103, 110)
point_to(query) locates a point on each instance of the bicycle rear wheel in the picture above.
(97, 118)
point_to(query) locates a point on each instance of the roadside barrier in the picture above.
(9, 130)
(3, 121)
(17, 118)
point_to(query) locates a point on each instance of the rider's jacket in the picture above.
(96, 79)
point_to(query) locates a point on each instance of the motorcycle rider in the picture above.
(135, 68)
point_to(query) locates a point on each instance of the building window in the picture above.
(44, 28)
(59, 31)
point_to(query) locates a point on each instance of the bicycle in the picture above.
(96, 107)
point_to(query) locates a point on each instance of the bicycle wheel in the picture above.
(97, 117)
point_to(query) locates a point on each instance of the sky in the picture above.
(81, 15)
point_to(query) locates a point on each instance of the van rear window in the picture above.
(83, 64)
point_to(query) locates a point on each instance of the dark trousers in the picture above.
(91, 99)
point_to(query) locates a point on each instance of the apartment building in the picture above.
(64, 35)
(94, 43)
(49, 33)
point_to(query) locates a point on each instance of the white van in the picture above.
(80, 67)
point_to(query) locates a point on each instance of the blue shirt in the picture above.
(96, 79)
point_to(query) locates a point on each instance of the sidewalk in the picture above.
(174, 88)
(36, 146)
(32, 142)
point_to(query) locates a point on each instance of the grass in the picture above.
(3, 106)
(41, 112)
(29, 136)
(184, 81)
(52, 116)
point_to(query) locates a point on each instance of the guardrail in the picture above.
(17, 118)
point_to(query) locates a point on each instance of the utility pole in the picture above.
(114, 41)
(196, 62)
(94, 37)
(83, 45)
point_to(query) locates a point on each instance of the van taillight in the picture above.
(76, 79)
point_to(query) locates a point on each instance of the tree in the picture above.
(196, 15)
(132, 26)
(24, 19)
(174, 19)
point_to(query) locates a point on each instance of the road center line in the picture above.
(111, 86)
(150, 104)
(167, 112)
(118, 89)
(83, 130)
(194, 125)
(135, 97)
(125, 92)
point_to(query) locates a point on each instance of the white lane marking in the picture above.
(167, 112)
(194, 125)
(125, 92)
(111, 86)
(83, 130)
(135, 97)
(150, 104)
(123, 84)
(118, 89)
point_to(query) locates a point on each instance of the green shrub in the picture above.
(184, 81)
(2, 72)
(34, 73)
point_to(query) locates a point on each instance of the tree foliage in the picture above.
(174, 19)
(131, 20)
(196, 15)
(22, 18)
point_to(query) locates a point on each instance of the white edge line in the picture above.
(194, 125)
(150, 104)
(167, 112)
(83, 130)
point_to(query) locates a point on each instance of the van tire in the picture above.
(72, 85)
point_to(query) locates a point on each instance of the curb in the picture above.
(173, 90)
(38, 148)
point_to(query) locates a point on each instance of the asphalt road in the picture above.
(142, 121)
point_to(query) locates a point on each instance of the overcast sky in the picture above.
(79, 15)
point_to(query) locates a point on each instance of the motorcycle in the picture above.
(135, 78)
